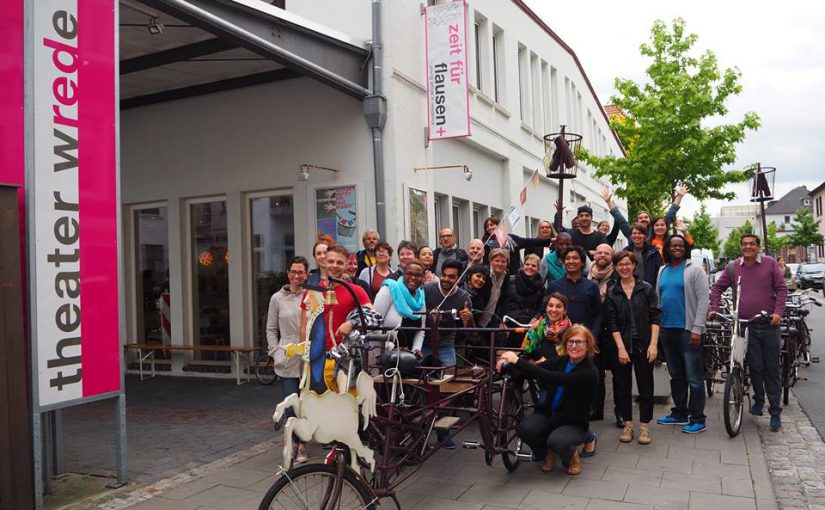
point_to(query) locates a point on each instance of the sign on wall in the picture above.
(448, 100)
(336, 216)
(419, 227)
(72, 197)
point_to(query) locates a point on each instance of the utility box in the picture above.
(16, 475)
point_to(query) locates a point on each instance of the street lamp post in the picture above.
(762, 191)
(560, 157)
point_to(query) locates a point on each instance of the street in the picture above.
(811, 392)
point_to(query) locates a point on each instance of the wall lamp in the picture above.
(468, 173)
(303, 171)
(155, 26)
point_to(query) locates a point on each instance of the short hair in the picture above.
(581, 329)
(640, 227)
(340, 250)
(622, 254)
(415, 262)
(666, 247)
(559, 296)
(478, 268)
(531, 256)
(743, 236)
(565, 235)
(641, 213)
(452, 264)
(368, 232)
(384, 246)
(499, 252)
(298, 260)
(407, 245)
(584, 209)
(579, 251)
(419, 250)
(599, 224)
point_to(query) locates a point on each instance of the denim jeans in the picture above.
(289, 385)
(764, 344)
(687, 374)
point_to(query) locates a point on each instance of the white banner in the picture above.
(448, 100)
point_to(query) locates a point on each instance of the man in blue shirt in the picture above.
(683, 289)
(584, 304)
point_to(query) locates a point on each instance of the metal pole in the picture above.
(120, 451)
(375, 111)
(764, 226)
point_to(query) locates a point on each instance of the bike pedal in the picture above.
(471, 444)
(815, 359)
(525, 456)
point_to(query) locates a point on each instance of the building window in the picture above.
(535, 86)
(457, 222)
(524, 84)
(272, 246)
(477, 36)
(546, 98)
(210, 258)
(498, 65)
(787, 220)
(152, 275)
(441, 212)
(419, 227)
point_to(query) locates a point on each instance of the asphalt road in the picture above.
(811, 392)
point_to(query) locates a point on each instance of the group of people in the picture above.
(591, 309)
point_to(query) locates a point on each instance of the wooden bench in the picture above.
(146, 352)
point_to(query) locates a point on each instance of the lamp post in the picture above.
(762, 191)
(560, 157)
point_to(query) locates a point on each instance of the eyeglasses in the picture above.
(746, 245)
(580, 343)
(296, 273)
(445, 235)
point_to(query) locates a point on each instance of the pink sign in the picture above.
(74, 194)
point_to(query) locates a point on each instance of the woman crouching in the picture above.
(568, 384)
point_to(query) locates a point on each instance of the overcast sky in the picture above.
(778, 46)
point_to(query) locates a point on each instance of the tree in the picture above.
(731, 248)
(671, 131)
(805, 230)
(775, 241)
(704, 234)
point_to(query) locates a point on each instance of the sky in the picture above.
(779, 47)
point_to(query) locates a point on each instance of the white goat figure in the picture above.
(330, 417)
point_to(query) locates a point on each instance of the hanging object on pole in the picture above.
(762, 183)
(560, 156)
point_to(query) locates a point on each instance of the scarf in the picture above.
(600, 276)
(528, 285)
(404, 302)
(546, 330)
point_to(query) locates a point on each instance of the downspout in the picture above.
(375, 111)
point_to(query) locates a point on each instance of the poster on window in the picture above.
(336, 216)
(448, 99)
(418, 218)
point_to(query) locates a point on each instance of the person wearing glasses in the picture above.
(763, 287)
(283, 324)
(447, 250)
(568, 383)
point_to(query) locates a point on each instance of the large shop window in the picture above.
(273, 245)
(152, 270)
(210, 276)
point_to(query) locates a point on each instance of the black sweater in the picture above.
(579, 388)
(642, 308)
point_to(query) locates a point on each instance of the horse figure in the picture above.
(330, 417)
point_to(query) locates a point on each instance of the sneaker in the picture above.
(776, 423)
(627, 434)
(450, 444)
(694, 428)
(672, 420)
(644, 434)
(302, 455)
(756, 408)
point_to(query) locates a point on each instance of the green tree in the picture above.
(671, 132)
(775, 241)
(731, 247)
(805, 230)
(704, 234)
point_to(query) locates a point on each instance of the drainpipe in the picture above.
(375, 112)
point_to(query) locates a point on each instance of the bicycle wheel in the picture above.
(710, 369)
(513, 412)
(310, 485)
(804, 343)
(265, 369)
(734, 396)
(788, 355)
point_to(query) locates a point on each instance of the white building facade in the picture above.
(213, 207)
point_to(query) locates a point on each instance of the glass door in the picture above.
(153, 322)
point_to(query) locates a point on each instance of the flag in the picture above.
(535, 179)
(501, 234)
(522, 197)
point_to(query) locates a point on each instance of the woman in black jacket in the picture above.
(524, 296)
(568, 384)
(648, 258)
(633, 321)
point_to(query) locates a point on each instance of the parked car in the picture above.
(792, 268)
(810, 275)
(704, 259)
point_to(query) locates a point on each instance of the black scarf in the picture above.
(528, 285)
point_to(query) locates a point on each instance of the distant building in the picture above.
(734, 216)
(819, 214)
(781, 212)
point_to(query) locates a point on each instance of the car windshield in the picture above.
(812, 268)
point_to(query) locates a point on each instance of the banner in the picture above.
(448, 99)
(72, 191)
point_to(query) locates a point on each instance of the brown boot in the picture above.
(575, 466)
(549, 462)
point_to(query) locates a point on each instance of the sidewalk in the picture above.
(677, 471)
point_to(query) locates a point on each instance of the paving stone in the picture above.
(433, 503)
(633, 476)
(601, 504)
(693, 482)
(680, 452)
(703, 501)
(222, 496)
(538, 500)
(656, 495)
(495, 495)
(438, 488)
(596, 489)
